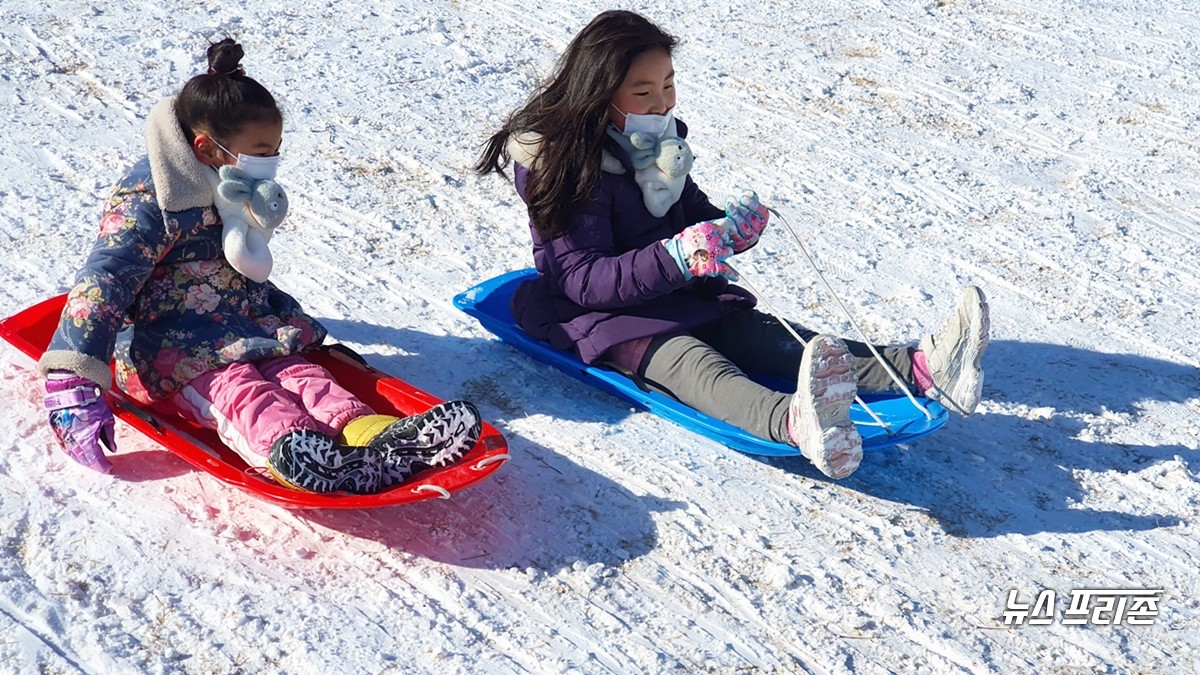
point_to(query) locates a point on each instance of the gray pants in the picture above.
(706, 369)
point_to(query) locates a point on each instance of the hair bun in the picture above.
(224, 58)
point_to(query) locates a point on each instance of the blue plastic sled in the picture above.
(489, 301)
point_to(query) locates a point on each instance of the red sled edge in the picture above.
(30, 332)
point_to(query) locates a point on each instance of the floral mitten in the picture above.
(701, 250)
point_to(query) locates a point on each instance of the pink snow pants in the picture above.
(252, 404)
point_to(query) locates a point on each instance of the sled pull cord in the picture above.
(887, 366)
(866, 341)
(802, 341)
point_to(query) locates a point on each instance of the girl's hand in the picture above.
(748, 219)
(80, 419)
(701, 250)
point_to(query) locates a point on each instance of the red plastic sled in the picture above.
(31, 329)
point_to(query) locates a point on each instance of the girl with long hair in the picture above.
(632, 264)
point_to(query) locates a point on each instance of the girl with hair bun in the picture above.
(219, 344)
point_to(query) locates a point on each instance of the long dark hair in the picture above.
(223, 100)
(569, 114)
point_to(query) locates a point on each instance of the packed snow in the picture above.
(1045, 151)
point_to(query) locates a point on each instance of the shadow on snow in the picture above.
(995, 474)
(988, 475)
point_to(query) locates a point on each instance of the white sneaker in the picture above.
(819, 414)
(955, 352)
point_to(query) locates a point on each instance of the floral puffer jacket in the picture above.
(162, 275)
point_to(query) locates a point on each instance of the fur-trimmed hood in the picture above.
(180, 182)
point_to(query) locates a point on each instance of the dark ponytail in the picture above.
(224, 100)
(569, 114)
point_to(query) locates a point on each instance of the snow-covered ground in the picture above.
(1044, 150)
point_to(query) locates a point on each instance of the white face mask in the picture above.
(655, 125)
(258, 168)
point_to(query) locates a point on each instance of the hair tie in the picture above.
(236, 70)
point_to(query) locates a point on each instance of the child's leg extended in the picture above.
(873, 376)
(757, 343)
(247, 411)
(315, 390)
(693, 372)
(816, 419)
(267, 426)
(436, 437)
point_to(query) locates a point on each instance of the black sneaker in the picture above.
(436, 437)
(313, 462)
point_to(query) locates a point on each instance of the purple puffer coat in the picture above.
(610, 281)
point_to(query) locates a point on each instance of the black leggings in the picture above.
(706, 369)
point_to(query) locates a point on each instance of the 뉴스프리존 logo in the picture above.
(1095, 606)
